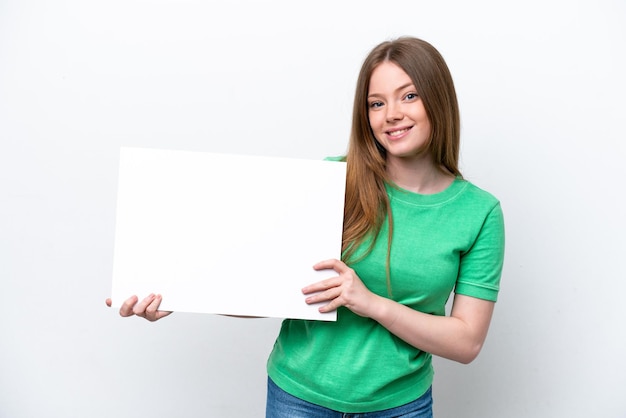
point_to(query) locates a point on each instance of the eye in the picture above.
(375, 105)
(411, 96)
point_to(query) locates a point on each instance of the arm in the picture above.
(458, 337)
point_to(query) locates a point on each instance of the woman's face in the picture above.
(396, 113)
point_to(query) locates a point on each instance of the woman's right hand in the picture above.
(147, 308)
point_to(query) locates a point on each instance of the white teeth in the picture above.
(396, 133)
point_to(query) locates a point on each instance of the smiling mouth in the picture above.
(397, 132)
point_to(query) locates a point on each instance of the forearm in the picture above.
(457, 337)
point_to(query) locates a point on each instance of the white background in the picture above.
(541, 88)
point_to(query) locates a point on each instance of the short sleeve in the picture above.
(481, 266)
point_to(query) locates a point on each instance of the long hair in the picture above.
(367, 204)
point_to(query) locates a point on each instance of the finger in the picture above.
(333, 263)
(328, 295)
(322, 285)
(334, 299)
(154, 305)
(152, 312)
(331, 306)
(140, 308)
(108, 302)
(127, 307)
(161, 314)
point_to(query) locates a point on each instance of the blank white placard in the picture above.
(225, 234)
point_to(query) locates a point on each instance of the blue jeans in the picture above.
(280, 404)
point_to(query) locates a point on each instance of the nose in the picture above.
(394, 112)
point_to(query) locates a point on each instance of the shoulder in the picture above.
(478, 195)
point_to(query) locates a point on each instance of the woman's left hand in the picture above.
(346, 289)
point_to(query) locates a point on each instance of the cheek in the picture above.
(376, 131)
(374, 121)
(428, 131)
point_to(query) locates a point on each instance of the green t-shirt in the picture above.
(452, 240)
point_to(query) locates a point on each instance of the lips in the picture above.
(397, 132)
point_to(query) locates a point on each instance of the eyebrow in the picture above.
(402, 87)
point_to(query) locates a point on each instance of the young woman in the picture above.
(414, 232)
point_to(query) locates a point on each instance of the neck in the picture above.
(419, 176)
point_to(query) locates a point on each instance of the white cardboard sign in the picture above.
(225, 234)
